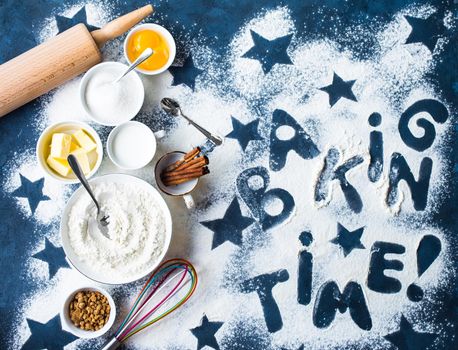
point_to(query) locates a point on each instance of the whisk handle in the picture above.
(113, 344)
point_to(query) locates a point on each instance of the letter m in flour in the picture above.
(329, 299)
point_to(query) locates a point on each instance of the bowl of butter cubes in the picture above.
(72, 137)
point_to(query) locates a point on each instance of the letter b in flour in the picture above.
(256, 196)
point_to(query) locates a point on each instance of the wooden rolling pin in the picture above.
(59, 59)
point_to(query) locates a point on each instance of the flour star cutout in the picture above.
(186, 74)
(426, 31)
(244, 133)
(230, 227)
(299, 348)
(205, 333)
(269, 52)
(338, 89)
(64, 23)
(348, 240)
(54, 256)
(406, 338)
(49, 335)
(32, 190)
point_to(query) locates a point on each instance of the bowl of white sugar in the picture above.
(108, 102)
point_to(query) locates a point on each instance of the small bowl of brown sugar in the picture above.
(88, 312)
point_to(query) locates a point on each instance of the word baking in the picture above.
(335, 169)
(398, 169)
(329, 297)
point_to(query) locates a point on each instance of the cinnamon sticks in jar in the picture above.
(191, 166)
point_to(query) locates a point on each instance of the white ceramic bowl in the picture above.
(68, 324)
(177, 190)
(139, 92)
(42, 149)
(167, 36)
(144, 141)
(93, 272)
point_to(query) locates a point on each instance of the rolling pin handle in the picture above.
(120, 25)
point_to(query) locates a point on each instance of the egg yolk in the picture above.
(141, 40)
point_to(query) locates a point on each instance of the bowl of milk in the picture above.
(132, 145)
(108, 102)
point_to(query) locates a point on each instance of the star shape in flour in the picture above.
(338, 89)
(406, 338)
(186, 74)
(348, 240)
(64, 23)
(49, 335)
(205, 333)
(269, 52)
(426, 30)
(32, 190)
(54, 256)
(299, 348)
(230, 227)
(244, 133)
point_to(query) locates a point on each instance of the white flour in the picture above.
(136, 228)
(387, 82)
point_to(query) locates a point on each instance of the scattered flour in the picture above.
(387, 82)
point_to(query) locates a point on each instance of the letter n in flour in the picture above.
(400, 170)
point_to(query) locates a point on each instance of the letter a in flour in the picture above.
(301, 142)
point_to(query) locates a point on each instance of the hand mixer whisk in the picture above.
(177, 277)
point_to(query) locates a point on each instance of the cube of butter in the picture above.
(60, 145)
(84, 140)
(83, 160)
(59, 165)
(74, 146)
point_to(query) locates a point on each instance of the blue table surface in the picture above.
(217, 21)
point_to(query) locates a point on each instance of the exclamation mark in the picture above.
(427, 252)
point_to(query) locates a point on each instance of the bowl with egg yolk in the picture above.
(152, 36)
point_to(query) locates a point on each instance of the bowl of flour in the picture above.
(140, 229)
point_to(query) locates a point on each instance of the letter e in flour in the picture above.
(376, 278)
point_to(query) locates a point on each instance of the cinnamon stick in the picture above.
(192, 153)
(180, 174)
(202, 160)
(188, 156)
(172, 182)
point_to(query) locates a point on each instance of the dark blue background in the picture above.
(218, 20)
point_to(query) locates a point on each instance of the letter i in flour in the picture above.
(304, 271)
(375, 169)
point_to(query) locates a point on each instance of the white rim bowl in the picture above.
(140, 89)
(68, 324)
(170, 42)
(45, 140)
(113, 135)
(92, 272)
